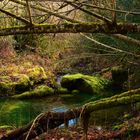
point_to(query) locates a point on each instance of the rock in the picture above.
(6, 89)
(39, 91)
(14, 84)
(84, 83)
(23, 83)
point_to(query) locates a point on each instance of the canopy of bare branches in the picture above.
(91, 16)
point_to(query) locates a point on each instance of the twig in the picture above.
(33, 124)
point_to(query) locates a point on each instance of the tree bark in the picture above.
(49, 120)
(72, 28)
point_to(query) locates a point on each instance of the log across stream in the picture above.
(50, 120)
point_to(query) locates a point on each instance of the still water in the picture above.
(16, 113)
(19, 112)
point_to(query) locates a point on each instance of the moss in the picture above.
(22, 84)
(6, 127)
(84, 83)
(62, 91)
(6, 89)
(75, 92)
(37, 74)
(40, 91)
(117, 127)
(17, 83)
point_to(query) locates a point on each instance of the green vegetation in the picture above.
(17, 83)
(85, 83)
(40, 91)
(37, 75)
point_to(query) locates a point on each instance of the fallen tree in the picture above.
(51, 120)
(42, 123)
(120, 28)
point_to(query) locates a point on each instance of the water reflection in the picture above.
(19, 112)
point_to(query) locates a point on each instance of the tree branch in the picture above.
(15, 16)
(46, 11)
(98, 16)
(109, 9)
(109, 47)
(127, 39)
(72, 28)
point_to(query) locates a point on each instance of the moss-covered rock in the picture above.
(6, 89)
(37, 74)
(17, 83)
(39, 91)
(84, 83)
(22, 84)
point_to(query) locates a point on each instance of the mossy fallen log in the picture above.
(54, 119)
(84, 83)
(121, 28)
(40, 91)
(125, 98)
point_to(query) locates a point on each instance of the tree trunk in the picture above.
(72, 28)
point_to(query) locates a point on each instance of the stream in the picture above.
(17, 113)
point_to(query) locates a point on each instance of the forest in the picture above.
(69, 69)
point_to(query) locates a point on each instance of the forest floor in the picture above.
(129, 129)
(93, 134)
(77, 134)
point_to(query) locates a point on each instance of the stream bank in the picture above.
(76, 90)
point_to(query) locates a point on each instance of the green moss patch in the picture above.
(14, 84)
(40, 91)
(62, 91)
(19, 81)
(37, 74)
